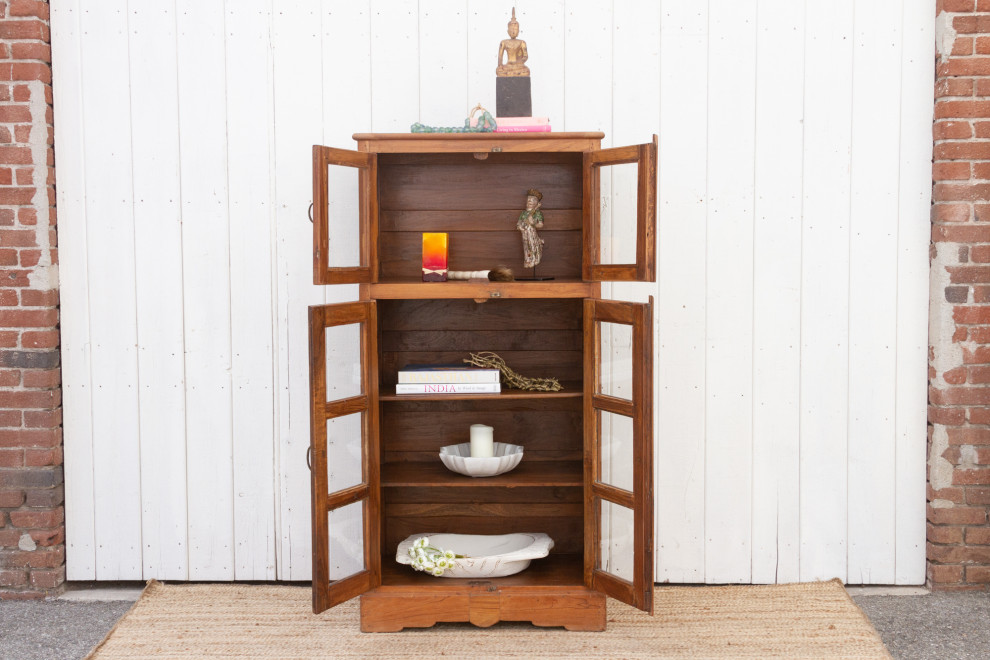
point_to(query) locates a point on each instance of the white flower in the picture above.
(421, 542)
(438, 571)
(442, 562)
(449, 554)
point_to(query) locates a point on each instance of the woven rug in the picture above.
(812, 620)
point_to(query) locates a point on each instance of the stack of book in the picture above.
(522, 124)
(447, 379)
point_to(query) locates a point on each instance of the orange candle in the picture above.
(435, 257)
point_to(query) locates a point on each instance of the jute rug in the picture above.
(813, 620)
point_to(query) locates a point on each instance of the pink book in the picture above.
(522, 129)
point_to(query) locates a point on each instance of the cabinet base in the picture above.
(390, 610)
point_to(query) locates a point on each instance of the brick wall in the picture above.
(32, 531)
(959, 392)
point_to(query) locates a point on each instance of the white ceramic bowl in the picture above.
(485, 555)
(458, 459)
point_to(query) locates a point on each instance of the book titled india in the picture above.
(446, 373)
(448, 388)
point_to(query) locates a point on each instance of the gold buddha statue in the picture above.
(512, 53)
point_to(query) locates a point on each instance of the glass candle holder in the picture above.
(435, 257)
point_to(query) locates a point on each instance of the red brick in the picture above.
(44, 399)
(42, 457)
(9, 258)
(951, 494)
(11, 499)
(43, 419)
(43, 72)
(981, 170)
(945, 574)
(33, 318)
(21, 30)
(39, 9)
(946, 416)
(8, 339)
(962, 192)
(11, 458)
(955, 376)
(42, 378)
(982, 45)
(978, 574)
(9, 298)
(36, 298)
(30, 258)
(957, 516)
(943, 534)
(16, 196)
(978, 535)
(13, 578)
(40, 558)
(956, 5)
(951, 170)
(30, 437)
(48, 537)
(9, 538)
(18, 237)
(39, 51)
(961, 151)
(948, 129)
(971, 24)
(977, 495)
(42, 339)
(10, 417)
(978, 477)
(10, 377)
(948, 87)
(978, 355)
(958, 554)
(979, 253)
(979, 375)
(30, 519)
(970, 314)
(47, 578)
(959, 335)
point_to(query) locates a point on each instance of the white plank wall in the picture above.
(790, 306)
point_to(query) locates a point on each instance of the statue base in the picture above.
(513, 97)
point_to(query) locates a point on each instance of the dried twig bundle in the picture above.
(489, 360)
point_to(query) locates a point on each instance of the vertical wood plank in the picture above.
(443, 49)
(873, 290)
(158, 252)
(112, 300)
(729, 303)
(77, 400)
(206, 282)
(395, 73)
(485, 29)
(250, 137)
(914, 199)
(777, 290)
(299, 116)
(825, 290)
(681, 308)
(588, 70)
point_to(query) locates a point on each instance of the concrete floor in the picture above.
(914, 624)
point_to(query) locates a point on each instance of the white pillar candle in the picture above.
(482, 441)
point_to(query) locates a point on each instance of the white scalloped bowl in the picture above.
(457, 458)
(485, 555)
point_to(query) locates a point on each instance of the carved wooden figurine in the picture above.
(529, 221)
(512, 53)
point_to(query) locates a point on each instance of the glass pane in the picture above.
(618, 194)
(616, 360)
(617, 540)
(346, 541)
(344, 214)
(343, 343)
(616, 433)
(344, 467)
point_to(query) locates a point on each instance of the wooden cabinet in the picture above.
(586, 478)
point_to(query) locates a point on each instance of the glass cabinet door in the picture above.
(344, 451)
(620, 214)
(345, 197)
(618, 448)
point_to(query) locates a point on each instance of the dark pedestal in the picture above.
(513, 97)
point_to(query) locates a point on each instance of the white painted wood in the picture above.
(298, 118)
(395, 68)
(785, 255)
(77, 400)
(729, 304)
(777, 290)
(250, 141)
(112, 298)
(207, 288)
(873, 291)
(681, 310)
(158, 275)
(914, 198)
(825, 290)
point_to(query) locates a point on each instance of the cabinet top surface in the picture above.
(424, 142)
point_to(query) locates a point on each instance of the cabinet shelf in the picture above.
(570, 391)
(412, 289)
(532, 473)
(555, 570)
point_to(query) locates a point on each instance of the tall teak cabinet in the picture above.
(586, 478)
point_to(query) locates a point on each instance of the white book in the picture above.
(448, 388)
(447, 374)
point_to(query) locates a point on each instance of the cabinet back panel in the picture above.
(477, 202)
